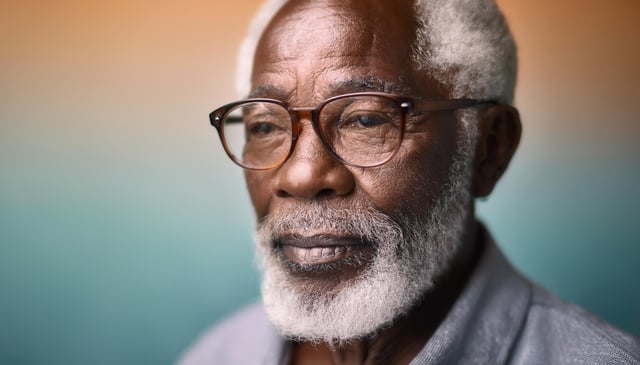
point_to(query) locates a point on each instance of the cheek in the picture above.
(259, 187)
(411, 182)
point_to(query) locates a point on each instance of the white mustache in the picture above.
(367, 223)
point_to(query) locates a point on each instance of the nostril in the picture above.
(325, 193)
(280, 193)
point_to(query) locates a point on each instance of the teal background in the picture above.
(125, 231)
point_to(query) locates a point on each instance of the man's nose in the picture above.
(311, 171)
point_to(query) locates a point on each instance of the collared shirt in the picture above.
(499, 318)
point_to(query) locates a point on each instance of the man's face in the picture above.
(326, 228)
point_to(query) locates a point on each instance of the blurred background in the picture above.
(125, 231)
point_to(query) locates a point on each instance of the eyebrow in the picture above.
(370, 83)
(358, 84)
(267, 91)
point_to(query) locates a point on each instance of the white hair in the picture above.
(470, 38)
(464, 44)
(248, 47)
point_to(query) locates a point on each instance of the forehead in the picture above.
(309, 47)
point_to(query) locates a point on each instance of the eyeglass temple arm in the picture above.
(451, 104)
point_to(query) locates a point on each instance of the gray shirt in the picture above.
(500, 318)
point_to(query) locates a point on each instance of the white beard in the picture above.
(410, 255)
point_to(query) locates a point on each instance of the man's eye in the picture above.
(369, 121)
(363, 121)
(261, 128)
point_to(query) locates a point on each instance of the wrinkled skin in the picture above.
(313, 50)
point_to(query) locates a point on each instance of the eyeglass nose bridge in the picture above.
(297, 114)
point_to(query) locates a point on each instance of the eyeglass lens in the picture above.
(360, 130)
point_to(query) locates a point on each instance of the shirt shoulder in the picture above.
(245, 337)
(556, 332)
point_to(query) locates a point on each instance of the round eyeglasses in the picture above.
(359, 129)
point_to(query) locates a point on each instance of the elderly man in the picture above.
(368, 130)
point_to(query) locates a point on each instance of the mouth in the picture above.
(323, 252)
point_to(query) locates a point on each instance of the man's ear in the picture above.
(499, 135)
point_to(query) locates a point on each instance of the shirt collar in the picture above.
(485, 320)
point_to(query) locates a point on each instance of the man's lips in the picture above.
(319, 249)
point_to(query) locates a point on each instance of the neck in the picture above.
(401, 342)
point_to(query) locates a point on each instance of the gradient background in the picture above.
(125, 231)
